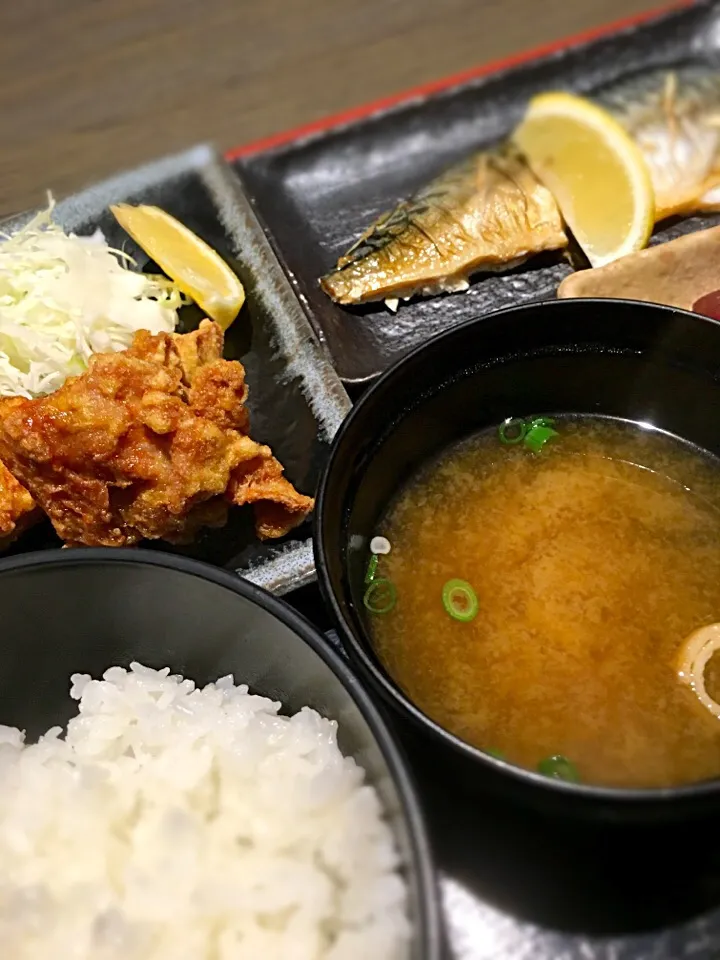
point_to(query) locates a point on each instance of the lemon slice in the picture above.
(594, 170)
(194, 266)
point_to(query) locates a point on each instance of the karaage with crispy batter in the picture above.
(149, 443)
(18, 510)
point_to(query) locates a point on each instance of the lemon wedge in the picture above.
(194, 266)
(594, 170)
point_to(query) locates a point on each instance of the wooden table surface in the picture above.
(91, 86)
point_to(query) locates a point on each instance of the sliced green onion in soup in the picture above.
(559, 768)
(512, 431)
(460, 600)
(372, 568)
(538, 434)
(381, 596)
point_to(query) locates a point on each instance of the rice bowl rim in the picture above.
(419, 870)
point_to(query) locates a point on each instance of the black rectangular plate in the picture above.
(317, 194)
(296, 400)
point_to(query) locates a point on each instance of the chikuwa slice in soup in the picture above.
(547, 590)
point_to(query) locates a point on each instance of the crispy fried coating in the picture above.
(278, 506)
(199, 348)
(149, 443)
(18, 510)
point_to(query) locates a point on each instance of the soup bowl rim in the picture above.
(358, 647)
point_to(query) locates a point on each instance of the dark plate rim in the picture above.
(378, 676)
(398, 765)
(364, 111)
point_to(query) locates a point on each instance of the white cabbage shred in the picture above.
(63, 297)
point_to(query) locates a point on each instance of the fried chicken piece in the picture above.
(116, 455)
(217, 388)
(18, 510)
(184, 351)
(148, 443)
(199, 348)
(278, 505)
(217, 391)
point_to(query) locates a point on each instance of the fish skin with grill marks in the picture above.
(486, 213)
(489, 213)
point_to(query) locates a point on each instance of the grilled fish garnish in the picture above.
(489, 212)
(486, 213)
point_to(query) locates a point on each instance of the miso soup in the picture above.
(590, 557)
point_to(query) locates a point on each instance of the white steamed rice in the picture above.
(175, 823)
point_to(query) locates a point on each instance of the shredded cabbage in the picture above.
(64, 297)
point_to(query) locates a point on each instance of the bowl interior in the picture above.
(86, 612)
(614, 358)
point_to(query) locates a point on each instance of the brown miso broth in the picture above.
(592, 561)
